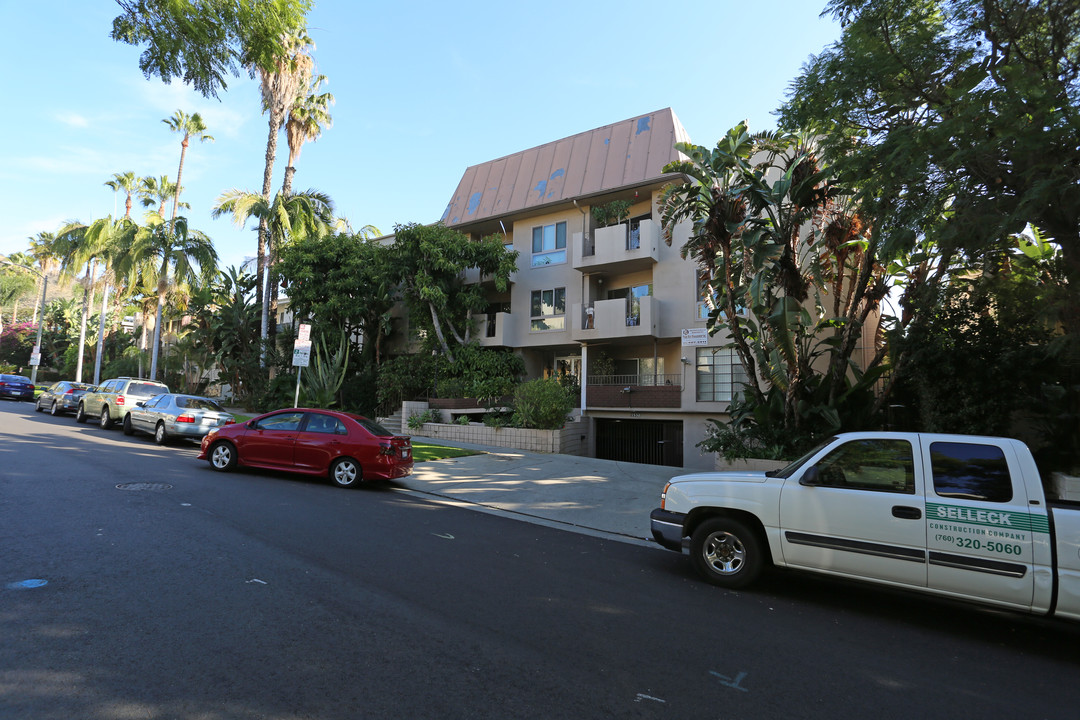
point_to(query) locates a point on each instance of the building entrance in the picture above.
(654, 442)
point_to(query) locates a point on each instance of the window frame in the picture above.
(706, 370)
(551, 320)
(554, 255)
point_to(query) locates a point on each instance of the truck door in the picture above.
(858, 511)
(978, 523)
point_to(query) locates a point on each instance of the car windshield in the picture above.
(372, 427)
(142, 388)
(198, 403)
(790, 469)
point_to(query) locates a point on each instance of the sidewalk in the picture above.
(598, 497)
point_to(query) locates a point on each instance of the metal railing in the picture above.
(640, 380)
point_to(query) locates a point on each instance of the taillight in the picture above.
(386, 448)
(230, 421)
(119, 399)
(70, 392)
(186, 419)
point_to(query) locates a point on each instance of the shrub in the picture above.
(417, 420)
(462, 420)
(542, 404)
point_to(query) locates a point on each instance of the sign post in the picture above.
(301, 356)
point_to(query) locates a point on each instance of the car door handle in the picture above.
(907, 513)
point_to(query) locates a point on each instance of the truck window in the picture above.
(971, 471)
(871, 464)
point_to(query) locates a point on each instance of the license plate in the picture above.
(404, 453)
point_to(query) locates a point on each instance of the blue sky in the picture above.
(424, 90)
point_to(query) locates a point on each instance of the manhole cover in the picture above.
(144, 486)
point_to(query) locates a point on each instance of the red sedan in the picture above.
(347, 448)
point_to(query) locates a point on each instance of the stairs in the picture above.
(394, 423)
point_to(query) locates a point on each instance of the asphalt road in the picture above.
(194, 595)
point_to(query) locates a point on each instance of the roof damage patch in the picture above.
(643, 124)
(474, 202)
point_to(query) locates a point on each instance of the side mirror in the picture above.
(812, 476)
(141, 403)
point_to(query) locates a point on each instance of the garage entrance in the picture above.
(654, 442)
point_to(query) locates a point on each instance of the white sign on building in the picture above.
(695, 336)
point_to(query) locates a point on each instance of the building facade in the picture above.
(605, 300)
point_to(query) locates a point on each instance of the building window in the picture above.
(549, 245)
(548, 309)
(720, 375)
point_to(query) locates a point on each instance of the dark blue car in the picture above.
(16, 387)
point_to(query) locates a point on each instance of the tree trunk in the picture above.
(179, 174)
(265, 249)
(163, 283)
(439, 333)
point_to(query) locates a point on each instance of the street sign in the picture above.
(304, 332)
(301, 354)
(35, 359)
(695, 336)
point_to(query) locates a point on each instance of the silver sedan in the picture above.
(173, 415)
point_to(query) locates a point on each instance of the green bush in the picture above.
(542, 404)
(417, 420)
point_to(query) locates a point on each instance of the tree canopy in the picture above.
(204, 42)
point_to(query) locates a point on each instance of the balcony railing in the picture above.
(641, 391)
(616, 319)
(618, 248)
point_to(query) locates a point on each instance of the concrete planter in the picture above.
(567, 440)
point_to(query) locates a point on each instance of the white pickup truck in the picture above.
(954, 515)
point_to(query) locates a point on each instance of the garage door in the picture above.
(655, 442)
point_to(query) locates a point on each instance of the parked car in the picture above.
(62, 397)
(114, 398)
(16, 387)
(345, 447)
(172, 415)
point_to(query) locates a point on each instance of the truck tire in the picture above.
(727, 552)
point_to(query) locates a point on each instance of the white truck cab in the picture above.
(956, 515)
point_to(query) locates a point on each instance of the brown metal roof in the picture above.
(624, 154)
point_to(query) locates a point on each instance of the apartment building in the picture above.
(613, 305)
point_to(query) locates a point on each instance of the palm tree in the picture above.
(155, 191)
(43, 253)
(126, 182)
(308, 117)
(85, 246)
(178, 253)
(279, 88)
(188, 126)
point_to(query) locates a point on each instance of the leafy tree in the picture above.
(956, 121)
(774, 235)
(342, 281)
(14, 285)
(203, 42)
(431, 261)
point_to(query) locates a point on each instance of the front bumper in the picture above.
(667, 529)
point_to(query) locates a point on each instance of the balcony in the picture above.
(634, 391)
(473, 276)
(616, 319)
(617, 249)
(496, 330)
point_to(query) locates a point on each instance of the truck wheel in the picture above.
(80, 414)
(106, 419)
(726, 552)
(129, 429)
